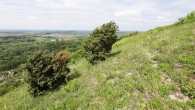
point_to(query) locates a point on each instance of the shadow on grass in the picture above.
(114, 54)
(73, 75)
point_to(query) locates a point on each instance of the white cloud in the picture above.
(88, 14)
(184, 4)
(33, 18)
(126, 13)
(57, 3)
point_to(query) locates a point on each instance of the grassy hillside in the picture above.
(151, 70)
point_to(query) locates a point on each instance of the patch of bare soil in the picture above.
(128, 73)
(115, 61)
(111, 81)
(166, 80)
(119, 71)
(135, 91)
(94, 81)
(178, 66)
(178, 96)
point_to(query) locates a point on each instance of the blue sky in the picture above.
(130, 15)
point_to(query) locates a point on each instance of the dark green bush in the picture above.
(45, 72)
(190, 17)
(99, 43)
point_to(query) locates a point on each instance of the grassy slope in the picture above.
(142, 72)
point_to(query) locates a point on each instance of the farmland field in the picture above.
(44, 35)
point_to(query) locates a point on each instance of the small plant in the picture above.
(100, 42)
(190, 17)
(46, 72)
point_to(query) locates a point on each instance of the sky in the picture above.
(130, 15)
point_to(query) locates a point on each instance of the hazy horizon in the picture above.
(3, 30)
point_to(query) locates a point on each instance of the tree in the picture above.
(45, 72)
(100, 41)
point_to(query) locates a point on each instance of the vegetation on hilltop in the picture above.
(99, 44)
(154, 70)
(189, 18)
(46, 72)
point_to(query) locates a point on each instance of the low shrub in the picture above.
(46, 72)
(189, 18)
(99, 43)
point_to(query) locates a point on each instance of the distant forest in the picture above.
(15, 51)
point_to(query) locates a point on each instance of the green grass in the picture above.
(10, 85)
(141, 73)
